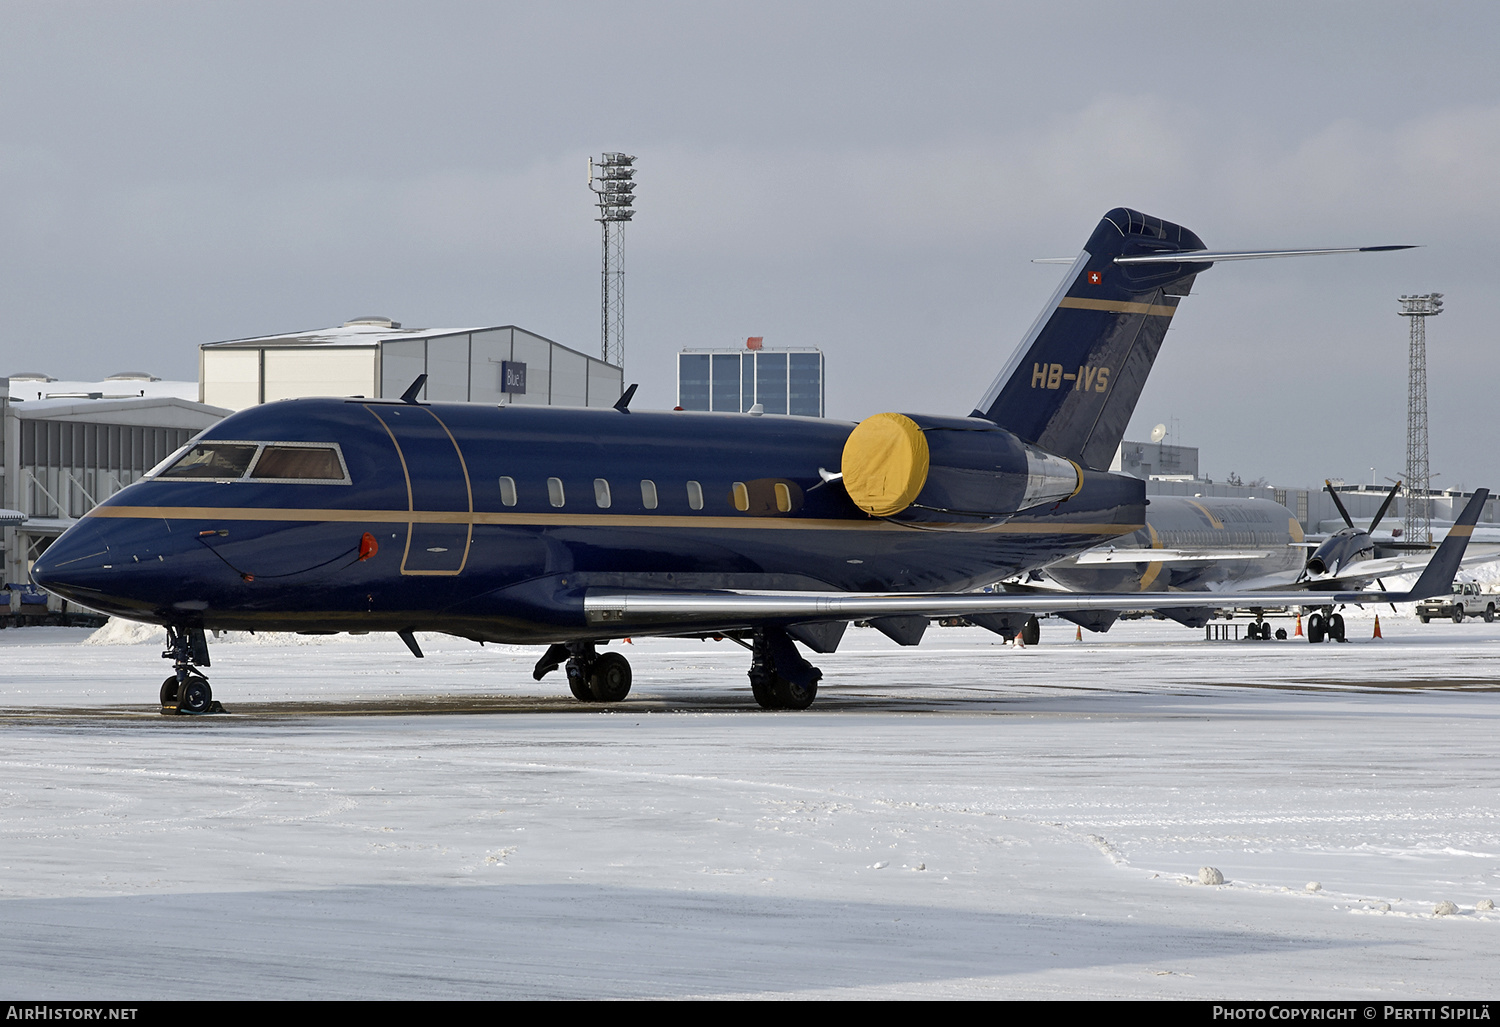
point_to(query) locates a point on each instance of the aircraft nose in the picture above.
(71, 563)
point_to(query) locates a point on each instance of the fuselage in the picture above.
(1207, 543)
(492, 522)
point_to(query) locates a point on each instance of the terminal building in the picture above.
(375, 358)
(1173, 471)
(778, 381)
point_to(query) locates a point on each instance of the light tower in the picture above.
(612, 179)
(1418, 478)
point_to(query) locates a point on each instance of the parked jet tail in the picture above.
(1437, 576)
(1073, 383)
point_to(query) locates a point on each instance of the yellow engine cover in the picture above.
(885, 464)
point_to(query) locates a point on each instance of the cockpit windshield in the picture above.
(213, 460)
(299, 462)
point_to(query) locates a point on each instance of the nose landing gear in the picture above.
(187, 690)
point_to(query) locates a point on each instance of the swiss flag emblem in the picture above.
(1095, 277)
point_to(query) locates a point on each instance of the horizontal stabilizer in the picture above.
(1208, 257)
(1211, 257)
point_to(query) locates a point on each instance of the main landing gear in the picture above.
(1260, 630)
(779, 677)
(187, 690)
(1326, 626)
(592, 676)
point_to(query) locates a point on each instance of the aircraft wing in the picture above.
(725, 608)
(1103, 556)
(718, 609)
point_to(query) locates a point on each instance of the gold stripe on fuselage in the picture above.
(1212, 519)
(1153, 569)
(1117, 306)
(560, 520)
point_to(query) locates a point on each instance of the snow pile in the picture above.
(125, 632)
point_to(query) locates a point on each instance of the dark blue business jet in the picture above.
(569, 528)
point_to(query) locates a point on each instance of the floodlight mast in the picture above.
(611, 179)
(1418, 477)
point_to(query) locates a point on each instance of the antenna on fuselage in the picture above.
(623, 403)
(410, 395)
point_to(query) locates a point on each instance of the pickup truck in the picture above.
(1466, 601)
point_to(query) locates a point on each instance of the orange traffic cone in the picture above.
(1298, 632)
(1019, 641)
(1377, 626)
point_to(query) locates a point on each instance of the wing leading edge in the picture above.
(604, 608)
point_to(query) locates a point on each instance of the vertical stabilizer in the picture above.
(1072, 385)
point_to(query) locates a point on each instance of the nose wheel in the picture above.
(187, 690)
(198, 697)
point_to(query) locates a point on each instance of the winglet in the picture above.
(410, 395)
(1437, 577)
(623, 403)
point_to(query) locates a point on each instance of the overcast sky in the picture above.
(868, 178)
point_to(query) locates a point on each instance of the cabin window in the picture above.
(555, 491)
(648, 493)
(508, 491)
(601, 493)
(783, 497)
(213, 460)
(695, 495)
(299, 463)
(741, 496)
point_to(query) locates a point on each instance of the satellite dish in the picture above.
(1158, 433)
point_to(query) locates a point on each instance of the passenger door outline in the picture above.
(430, 525)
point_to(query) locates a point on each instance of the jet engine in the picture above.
(950, 470)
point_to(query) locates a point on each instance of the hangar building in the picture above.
(68, 446)
(375, 357)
